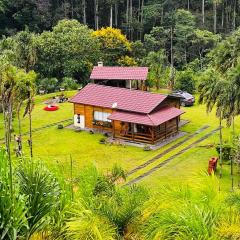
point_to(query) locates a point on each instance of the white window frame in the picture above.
(101, 116)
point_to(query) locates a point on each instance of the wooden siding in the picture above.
(88, 112)
(155, 134)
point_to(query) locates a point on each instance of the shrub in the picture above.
(60, 126)
(42, 193)
(48, 84)
(226, 152)
(102, 141)
(185, 81)
(147, 148)
(69, 84)
(12, 205)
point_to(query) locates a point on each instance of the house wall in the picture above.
(88, 112)
(170, 102)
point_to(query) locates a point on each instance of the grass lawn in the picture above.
(56, 147)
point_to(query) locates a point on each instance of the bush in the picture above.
(185, 81)
(60, 126)
(69, 84)
(102, 141)
(147, 148)
(226, 152)
(48, 84)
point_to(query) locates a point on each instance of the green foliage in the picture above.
(157, 62)
(13, 221)
(156, 39)
(181, 213)
(226, 152)
(226, 54)
(86, 224)
(48, 84)
(69, 83)
(67, 51)
(185, 81)
(122, 208)
(42, 194)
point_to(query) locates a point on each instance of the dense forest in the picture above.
(176, 35)
(47, 46)
(134, 17)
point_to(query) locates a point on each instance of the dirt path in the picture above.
(137, 179)
(167, 150)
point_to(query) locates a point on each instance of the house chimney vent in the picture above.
(114, 105)
(100, 64)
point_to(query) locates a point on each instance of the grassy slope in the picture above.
(55, 147)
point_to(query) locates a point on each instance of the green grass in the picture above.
(56, 147)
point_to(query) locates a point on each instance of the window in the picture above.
(78, 118)
(101, 116)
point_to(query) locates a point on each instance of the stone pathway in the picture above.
(167, 150)
(137, 179)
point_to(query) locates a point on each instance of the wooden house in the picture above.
(124, 77)
(132, 115)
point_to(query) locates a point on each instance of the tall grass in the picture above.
(42, 207)
(12, 206)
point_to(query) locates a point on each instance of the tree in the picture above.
(204, 41)
(67, 51)
(25, 50)
(113, 45)
(185, 81)
(157, 62)
(156, 39)
(25, 90)
(226, 54)
(8, 91)
(183, 33)
(212, 93)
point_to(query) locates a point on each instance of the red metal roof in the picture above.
(125, 99)
(154, 119)
(119, 73)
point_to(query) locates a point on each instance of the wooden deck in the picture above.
(152, 135)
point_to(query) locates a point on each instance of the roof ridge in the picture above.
(127, 89)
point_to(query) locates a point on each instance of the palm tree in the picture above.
(157, 61)
(231, 105)
(8, 92)
(30, 89)
(212, 93)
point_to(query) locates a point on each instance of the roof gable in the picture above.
(119, 73)
(124, 99)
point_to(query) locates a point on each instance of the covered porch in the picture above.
(146, 128)
(143, 133)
